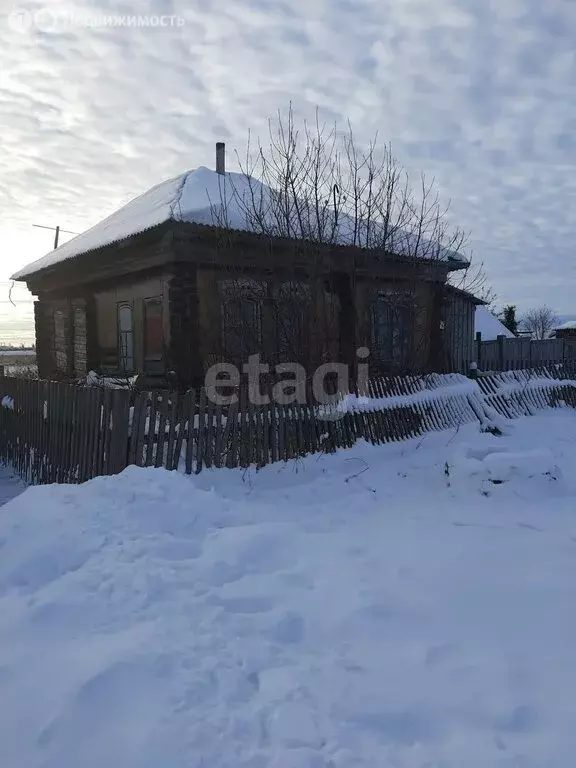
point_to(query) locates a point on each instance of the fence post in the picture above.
(500, 340)
(479, 348)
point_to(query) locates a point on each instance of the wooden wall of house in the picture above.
(62, 333)
(459, 331)
(214, 289)
(78, 333)
(44, 323)
(419, 300)
(568, 334)
(182, 297)
(106, 303)
(79, 337)
(198, 297)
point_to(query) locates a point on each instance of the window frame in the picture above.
(395, 347)
(159, 357)
(125, 359)
(240, 348)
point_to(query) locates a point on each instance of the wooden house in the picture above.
(162, 288)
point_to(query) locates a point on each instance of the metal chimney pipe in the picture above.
(220, 157)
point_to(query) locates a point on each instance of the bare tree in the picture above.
(539, 322)
(475, 281)
(313, 185)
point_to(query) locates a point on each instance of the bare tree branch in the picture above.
(539, 322)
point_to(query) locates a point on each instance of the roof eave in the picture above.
(27, 276)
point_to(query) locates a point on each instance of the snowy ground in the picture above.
(407, 606)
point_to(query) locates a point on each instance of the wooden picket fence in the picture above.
(522, 353)
(57, 432)
(522, 393)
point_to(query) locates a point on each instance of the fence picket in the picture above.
(180, 412)
(244, 452)
(62, 433)
(229, 437)
(150, 435)
(265, 422)
(63, 459)
(159, 459)
(201, 441)
(137, 432)
(76, 436)
(175, 428)
(218, 436)
(97, 433)
(210, 434)
(119, 437)
(232, 428)
(273, 417)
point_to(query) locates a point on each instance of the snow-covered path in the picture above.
(408, 606)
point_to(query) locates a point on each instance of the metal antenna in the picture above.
(57, 230)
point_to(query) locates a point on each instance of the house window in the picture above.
(125, 337)
(292, 310)
(242, 328)
(392, 329)
(153, 331)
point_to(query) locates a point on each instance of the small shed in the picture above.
(566, 331)
(461, 311)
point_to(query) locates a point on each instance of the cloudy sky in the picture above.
(480, 94)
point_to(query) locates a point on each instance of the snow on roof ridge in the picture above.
(191, 196)
(185, 177)
(489, 325)
(119, 228)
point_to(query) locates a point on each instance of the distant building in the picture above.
(489, 326)
(566, 331)
(462, 309)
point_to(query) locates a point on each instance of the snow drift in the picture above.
(408, 605)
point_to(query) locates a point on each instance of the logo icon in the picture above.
(21, 20)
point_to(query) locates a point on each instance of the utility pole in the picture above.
(57, 231)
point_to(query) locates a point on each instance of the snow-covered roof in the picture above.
(201, 196)
(489, 325)
(570, 325)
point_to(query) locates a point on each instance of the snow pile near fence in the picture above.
(496, 464)
(514, 381)
(402, 605)
(94, 379)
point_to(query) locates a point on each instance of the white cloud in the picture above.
(480, 95)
